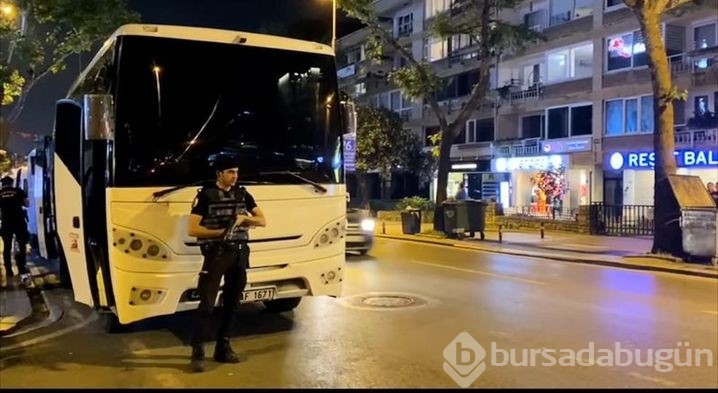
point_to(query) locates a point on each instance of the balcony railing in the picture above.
(692, 138)
(513, 94)
(519, 148)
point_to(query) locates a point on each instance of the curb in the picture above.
(42, 314)
(588, 261)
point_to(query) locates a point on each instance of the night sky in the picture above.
(305, 19)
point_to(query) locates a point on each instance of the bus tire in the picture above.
(282, 305)
(112, 324)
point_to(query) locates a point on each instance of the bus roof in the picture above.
(208, 35)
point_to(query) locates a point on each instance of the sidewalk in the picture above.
(16, 302)
(624, 252)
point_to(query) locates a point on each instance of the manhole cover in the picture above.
(382, 301)
(388, 301)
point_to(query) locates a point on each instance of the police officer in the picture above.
(221, 215)
(14, 224)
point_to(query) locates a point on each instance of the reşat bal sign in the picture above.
(647, 160)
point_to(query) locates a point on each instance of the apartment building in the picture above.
(580, 102)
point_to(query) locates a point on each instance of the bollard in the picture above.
(541, 230)
(383, 227)
(500, 237)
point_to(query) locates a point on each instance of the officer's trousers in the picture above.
(22, 236)
(230, 261)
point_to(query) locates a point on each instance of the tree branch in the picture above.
(20, 105)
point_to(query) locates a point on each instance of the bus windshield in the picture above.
(180, 101)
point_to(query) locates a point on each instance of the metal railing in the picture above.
(547, 211)
(691, 138)
(621, 220)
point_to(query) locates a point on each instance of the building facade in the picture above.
(574, 112)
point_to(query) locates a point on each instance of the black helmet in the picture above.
(223, 161)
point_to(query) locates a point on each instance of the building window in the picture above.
(626, 51)
(568, 121)
(612, 4)
(563, 11)
(405, 25)
(485, 130)
(705, 36)
(629, 116)
(435, 48)
(435, 7)
(700, 105)
(558, 66)
(570, 63)
(535, 20)
(532, 126)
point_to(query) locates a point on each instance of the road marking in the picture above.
(93, 317)
(460, 269)
(710, 312)
(660, 381)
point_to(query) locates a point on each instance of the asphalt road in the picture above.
(517, 309)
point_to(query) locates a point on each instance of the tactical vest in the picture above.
(223, 207)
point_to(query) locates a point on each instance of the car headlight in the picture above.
(367, 224)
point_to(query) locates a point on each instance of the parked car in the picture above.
(360, 230)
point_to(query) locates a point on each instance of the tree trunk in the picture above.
(4, 131)
(442, 180)
(667, 234)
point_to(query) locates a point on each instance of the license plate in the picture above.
(258, 294)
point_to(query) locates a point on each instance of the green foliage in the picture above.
(418, 79)
(12, 86)
(416, 202)
(382, 142)
(55, 30)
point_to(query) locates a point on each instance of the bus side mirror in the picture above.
(98, 116)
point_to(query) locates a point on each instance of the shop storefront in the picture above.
(479, 181)
(534, 183)
(634, 171)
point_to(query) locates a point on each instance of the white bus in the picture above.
(131, 144)
(39, 212)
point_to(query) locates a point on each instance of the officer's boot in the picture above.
(197, 360)
(223, 352)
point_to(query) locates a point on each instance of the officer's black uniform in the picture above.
(13, 224)
(226, 256)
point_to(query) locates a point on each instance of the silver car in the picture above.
(360, 231)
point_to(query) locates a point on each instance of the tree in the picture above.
(383, 145)
(38, 36)
(478, 19)
(649, 13)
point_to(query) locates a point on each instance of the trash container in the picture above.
(698, 232)
(411, 221)
(452, 220)
(475, 214)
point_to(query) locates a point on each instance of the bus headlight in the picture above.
(367, 224)
(330, 234)
(139, 244)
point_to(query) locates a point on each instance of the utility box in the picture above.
(697, 217)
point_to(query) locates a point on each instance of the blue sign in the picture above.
(647, 160)
(350, 150)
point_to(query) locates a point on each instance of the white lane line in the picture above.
(460, 269)
(659, 381)
(92, 318)
(165, 379)
(710, 312)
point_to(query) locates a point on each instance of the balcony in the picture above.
(696, 138)
(517, 148)
(513, 93)
(472, 150)
(701, 65)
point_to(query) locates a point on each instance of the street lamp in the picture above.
(7, 10)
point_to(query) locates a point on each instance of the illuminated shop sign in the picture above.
(684, 159)
(566, 146)
(537, 163)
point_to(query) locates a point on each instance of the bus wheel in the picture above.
(282, 305)
(112, 323)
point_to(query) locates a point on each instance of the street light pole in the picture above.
(334, 25)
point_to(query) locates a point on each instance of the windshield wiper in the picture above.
(159, 194)
(296, 175)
